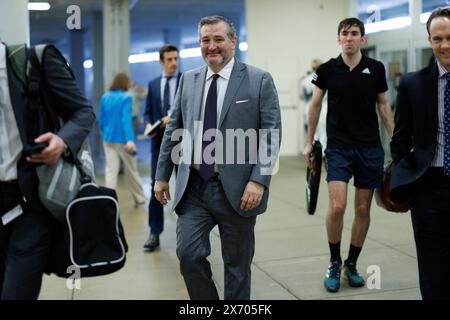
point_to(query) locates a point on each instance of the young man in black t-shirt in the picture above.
(356, 88)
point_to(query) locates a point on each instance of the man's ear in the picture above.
(364, 40)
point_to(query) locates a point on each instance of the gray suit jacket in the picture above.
(258, 109)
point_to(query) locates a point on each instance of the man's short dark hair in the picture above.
(166, 48)
(439, 12)
(350, 22)
(231, 32)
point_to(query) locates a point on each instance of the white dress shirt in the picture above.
(172, 88)
(438, 160)
(222, 85)
(10, 143)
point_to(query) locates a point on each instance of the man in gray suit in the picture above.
(226, 184)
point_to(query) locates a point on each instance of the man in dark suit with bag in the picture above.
(26, 229)
(421, 152)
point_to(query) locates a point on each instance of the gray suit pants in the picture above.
(203, 206)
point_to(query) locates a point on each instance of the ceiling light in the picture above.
(87, 64)
(243, 46)
(191, 53)
(143, 57)
(38, 6)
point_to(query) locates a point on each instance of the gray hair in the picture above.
(231, 33)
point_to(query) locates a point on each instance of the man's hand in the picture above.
(164, 121)
(52, 153)
(162, 193)
(252, 196)
(306, 153)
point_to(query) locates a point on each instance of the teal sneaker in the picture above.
(352, 275)
(332, 281)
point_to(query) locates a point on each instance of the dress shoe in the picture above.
(152, 243)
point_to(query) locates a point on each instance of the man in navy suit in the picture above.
(160, 98)
(27, 229)
(420, 149)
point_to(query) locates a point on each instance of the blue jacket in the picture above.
(114, 117)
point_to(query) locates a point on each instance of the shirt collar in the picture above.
(2, 56)
(224, 73)
(442, 70)
(170, 75)
(340, 61)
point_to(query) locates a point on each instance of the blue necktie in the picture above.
(166, 98)
(209, 122)
(447, 126)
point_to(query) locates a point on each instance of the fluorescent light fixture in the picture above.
(386, 25)
(38, 6)
(424, 17)
(243, 46)
(191, 53)
(87, 64)
(143, 57)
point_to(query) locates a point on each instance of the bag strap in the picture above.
(37, 87)
(39, 100)
(18, 61)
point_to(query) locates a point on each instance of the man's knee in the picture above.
(362, 211)
(190, 257)
(337, 209)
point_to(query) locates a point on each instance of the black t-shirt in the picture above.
(352, 96)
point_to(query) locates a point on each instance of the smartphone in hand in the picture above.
(36, 148)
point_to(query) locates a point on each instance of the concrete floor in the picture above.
(291, 252)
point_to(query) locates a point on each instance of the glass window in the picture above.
(430, 5)
(370, 11)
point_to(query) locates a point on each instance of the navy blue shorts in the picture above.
(364, 164)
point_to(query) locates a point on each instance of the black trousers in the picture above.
(430, 213)
(24, 247)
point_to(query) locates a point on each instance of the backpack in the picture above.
(90, 237)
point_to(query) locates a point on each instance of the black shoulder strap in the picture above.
(37, 90)
(39, 93)
(18, 61)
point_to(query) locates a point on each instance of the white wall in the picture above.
(14, 22)
(284, 36)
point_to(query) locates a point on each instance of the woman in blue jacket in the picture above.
(115, 122)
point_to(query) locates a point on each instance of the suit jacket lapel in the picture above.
(432, 84)
(16, 93)
(199, 86)
(237, 75)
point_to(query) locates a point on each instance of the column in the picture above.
(98, 87)
(14, 22)
(116, 38)
(415, 10)
(76, 43)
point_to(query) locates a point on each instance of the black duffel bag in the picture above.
(91, 241)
